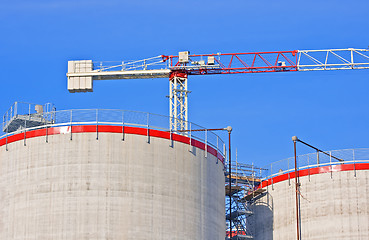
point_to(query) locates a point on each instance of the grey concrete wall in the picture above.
(109, 189)
(332, 207)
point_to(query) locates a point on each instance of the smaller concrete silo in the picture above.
(333, 198)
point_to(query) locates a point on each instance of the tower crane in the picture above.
(177, 68)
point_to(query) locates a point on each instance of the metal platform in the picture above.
(240, 236)
(237, 213)
(234, 189)
(243, 179)
(20, 122)
(23, 115)
(253, 194)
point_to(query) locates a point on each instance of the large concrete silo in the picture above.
(109, 180)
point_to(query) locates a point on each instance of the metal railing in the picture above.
(23, 108)
(316, 159)
(144, 64)
(117, 118)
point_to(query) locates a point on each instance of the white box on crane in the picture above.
(211, 60)
(183, 57)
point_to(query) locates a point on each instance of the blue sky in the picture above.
(326, 109)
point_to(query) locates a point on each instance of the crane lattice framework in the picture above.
(177, 68)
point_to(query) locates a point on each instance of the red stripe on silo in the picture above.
(110, 129)
(314, 171)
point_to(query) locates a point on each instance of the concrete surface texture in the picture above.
(333, 206)
(109, 189)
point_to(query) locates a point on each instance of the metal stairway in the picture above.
(245, 179)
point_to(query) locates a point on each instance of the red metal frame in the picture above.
(180, 74)
(235, 233)
(231, 63)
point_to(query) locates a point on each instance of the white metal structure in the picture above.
(178, 101)
(82, 73)
(333, 59)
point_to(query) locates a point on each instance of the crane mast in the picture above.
(178, 101)
(177, 68)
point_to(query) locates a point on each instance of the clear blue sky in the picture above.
(326, 109)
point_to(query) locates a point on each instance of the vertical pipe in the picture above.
(206, 143)
(230, 181)
(297, 198)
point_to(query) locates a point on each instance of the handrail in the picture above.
(313, 160)
(114, 117)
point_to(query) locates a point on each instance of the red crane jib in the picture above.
(230, 63)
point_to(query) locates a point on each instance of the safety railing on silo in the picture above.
(21, 121)
(316, 159)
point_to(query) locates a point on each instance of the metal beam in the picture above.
(133, 74)
(333, 59)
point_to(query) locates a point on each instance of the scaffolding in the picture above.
(245, 179)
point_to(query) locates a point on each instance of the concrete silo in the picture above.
(99, 174)
(333, 198)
